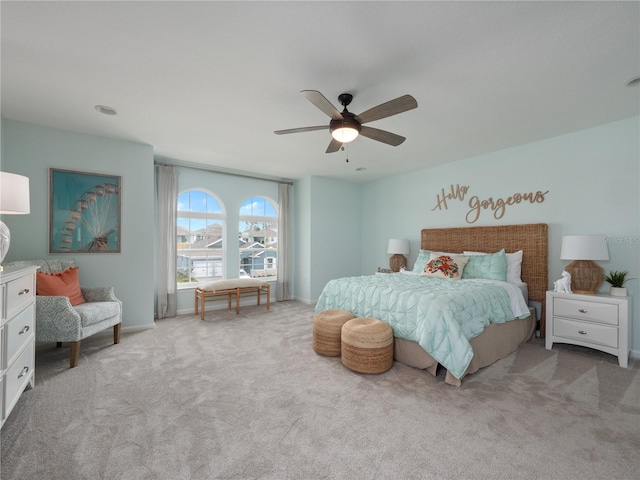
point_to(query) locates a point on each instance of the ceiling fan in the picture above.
(346, 126)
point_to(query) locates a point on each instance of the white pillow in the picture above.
(514, 265)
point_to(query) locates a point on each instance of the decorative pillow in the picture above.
(421, 261)
(425, 255)
(514, 265)
(491, 267)
(60, 284)
(445, 266)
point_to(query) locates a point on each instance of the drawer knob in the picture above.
(582, 332)
(24, 292)
(25, 329)
(582, 310)
(24, 371)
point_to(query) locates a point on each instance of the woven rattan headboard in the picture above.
(530, 238)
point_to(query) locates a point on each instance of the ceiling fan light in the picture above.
(345, 134)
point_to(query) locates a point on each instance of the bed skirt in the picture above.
(497, 341)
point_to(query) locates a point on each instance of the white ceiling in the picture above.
(209, 82)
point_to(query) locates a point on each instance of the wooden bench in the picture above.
(227, 289)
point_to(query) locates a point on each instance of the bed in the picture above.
(421, 339)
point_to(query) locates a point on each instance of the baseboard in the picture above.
(305, 300)
(139, 328)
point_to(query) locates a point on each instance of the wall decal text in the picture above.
(476, 205)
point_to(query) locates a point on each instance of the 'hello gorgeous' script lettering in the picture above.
(476, 205)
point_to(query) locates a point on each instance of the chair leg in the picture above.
(116, 333)
(75, 354)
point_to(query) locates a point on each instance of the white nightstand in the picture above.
(601, 322)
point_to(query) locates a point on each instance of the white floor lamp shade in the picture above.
(14, 200)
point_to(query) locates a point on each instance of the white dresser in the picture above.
(601, 322)
(17, 334)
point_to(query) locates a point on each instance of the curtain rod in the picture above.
(213, 170)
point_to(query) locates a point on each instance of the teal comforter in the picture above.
(440, 315)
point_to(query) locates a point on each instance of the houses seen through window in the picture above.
(258, 238)
(200, 230)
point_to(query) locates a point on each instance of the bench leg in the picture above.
(195, 302)
(268, 296)
(202, 297)
(237, 301)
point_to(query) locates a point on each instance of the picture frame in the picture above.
(84, 212)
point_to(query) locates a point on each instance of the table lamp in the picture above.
(14, 200)
(586, 275)
(398, 249)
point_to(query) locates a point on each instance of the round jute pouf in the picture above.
(327, 326)
(367, 345)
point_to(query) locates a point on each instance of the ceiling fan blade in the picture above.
(382, 136)
(322, 103)
(301, 129)
(392, 107)
(334, 146)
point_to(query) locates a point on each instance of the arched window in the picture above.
(258, 236)
(200, 227)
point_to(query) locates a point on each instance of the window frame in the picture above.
(261, 219)
(216, 218)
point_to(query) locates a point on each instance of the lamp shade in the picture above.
(584, 247)
(398, 246)
(14, 194)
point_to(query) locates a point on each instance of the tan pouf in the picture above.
(327, 326)
(367, 345)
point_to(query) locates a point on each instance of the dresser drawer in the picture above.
(586, 332)
(17, 377)
(584, 310)
(19, 293)
(19, 331)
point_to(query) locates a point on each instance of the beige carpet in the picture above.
(245, 397)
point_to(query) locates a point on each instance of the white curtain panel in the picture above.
(284, 250)
(167, 191)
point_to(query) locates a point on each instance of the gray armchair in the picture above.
(58, 321)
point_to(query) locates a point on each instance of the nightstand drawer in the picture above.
(582, 310)
(586, 332)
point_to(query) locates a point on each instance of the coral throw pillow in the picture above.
(60, 284)
(445, 266)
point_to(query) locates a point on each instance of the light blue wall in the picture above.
(231, 191)
(327, 235)
(302, 240)
(335, 231)
(31, 150)
(593, 180)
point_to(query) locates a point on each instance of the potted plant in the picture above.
(617, 279)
